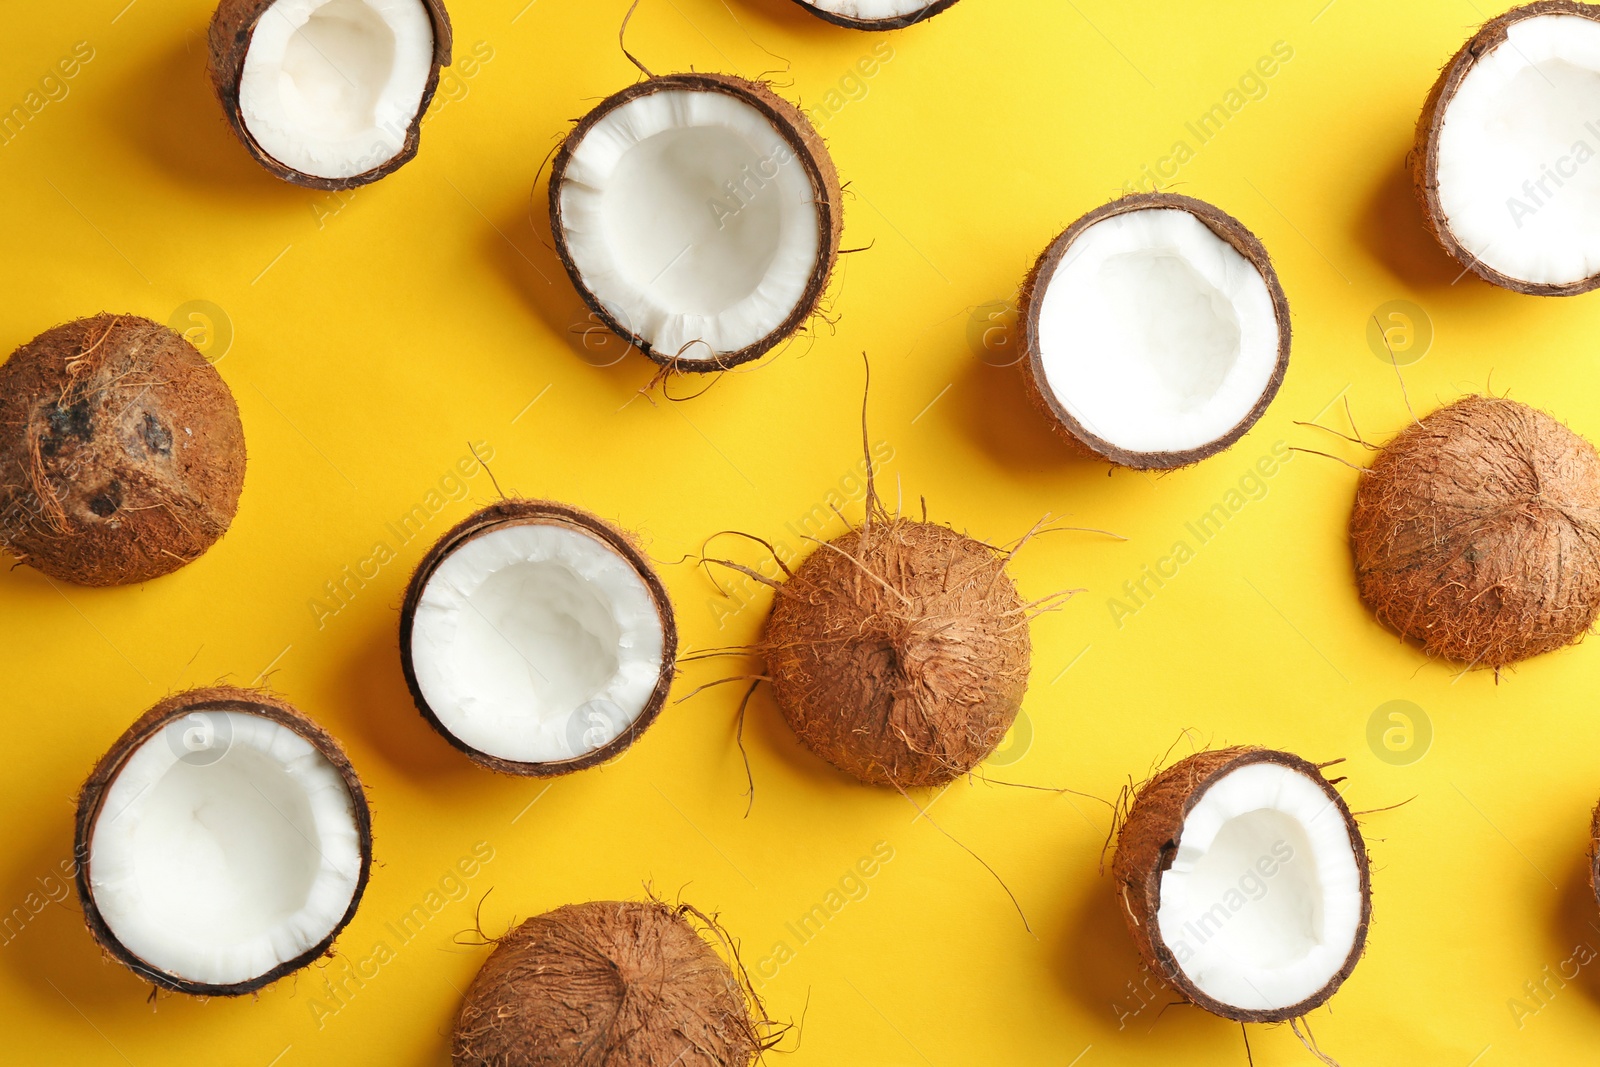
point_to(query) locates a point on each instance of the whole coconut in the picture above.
(121, 453)
(606, 984)
(1477, 533)
(899, 652)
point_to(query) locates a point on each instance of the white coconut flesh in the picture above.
(692, 221)
(226, 846)
(330, 88)
(1154, 333)
(536, 643)
(1519, 153)
(1262, 904)
(870, 10)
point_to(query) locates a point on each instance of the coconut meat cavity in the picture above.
(226, 846)
(692, 221)
(1518, 173)
(870, 10)
(330, 88)
(1155, 334)
(536, 642)
(1263, 902)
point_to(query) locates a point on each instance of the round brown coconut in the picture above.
(181, 706)
(613, 983)
(1148, 842)
(536, 512)
(1031, 301)
(233, 25)
(808, 148)
(1476, 533)
(899, 652)
(892, 22)
(121, 452)
(1424, 156)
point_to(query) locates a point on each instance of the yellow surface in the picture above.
(374, 335)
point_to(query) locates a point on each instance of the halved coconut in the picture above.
(1155, 330)
(1505, 158)
(122, 456)
(698, 216)
(875, 14)
(1244, 882)
(222, 843)
(537, 639)
(329, 94)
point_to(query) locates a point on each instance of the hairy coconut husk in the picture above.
(899, 652)
(898, 22)
(1031, 301)
(809, 149)
(234, 24)
(543, 512)
(121, 452)
(179, 706)
(1148, 842)
(607, 984)
(1424, 156)
(1476, 532)
(1594, 853)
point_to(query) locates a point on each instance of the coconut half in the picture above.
(875, 14)
(1505, 162)
(222, 843)
(329, 94)
(624, 983)
(1244, 883)
(122, 456)
(1155, 330)
(1476, 532)
(698, 216)
(537, 639)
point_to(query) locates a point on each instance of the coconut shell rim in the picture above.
(808, 147)
(536, 513)
(1225, 227)
(226, 63)
(1424, 155)
(106, 770)
(1161, 959)
(891, 22)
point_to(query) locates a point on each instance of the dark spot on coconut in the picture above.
(108, 501)
(157, 438)
(65, 423)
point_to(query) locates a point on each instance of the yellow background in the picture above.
(374, 335)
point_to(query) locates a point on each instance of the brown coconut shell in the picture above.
(899, 652)
(1148, 843)
(178, 706)
(808, 148)
(606, 984)
(896, 22)
(1031, 302)
(1424, 156)
(121, 452)
(233, 25)
(543, 512)
(1594, 853)
(1476, 533)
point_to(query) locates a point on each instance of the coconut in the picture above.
(875, 14)
(1476, 533)
(619, 983)
(222, 843)
(121, 453)
(1504, 162)
(537, 639)
(899, 651)
(1244, 883)
(698, 216)
(1155, 330)
(329, 94)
